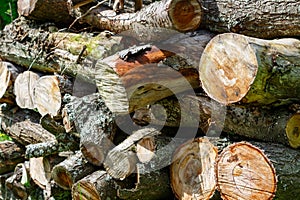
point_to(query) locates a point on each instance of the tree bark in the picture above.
(121, 161)
(172, 14)
(244, 172)
(262, 18)
(10, 155)
(95, 123)
(69, 171)
(192, 170)
(46, 11)
(42, 149)
(267, 74)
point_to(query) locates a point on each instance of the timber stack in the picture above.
(182, 99)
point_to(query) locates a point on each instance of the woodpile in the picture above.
(178, 100)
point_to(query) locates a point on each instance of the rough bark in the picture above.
(27, 132)
(192, 170)
(276, 125)
(42, 149)
(69, 171)
(46, 11)
(4, 191)
(121, 161)
(267, 74)
(262, 18)
(10, 155)
(173, 14)
(95, 123)
(244, 172)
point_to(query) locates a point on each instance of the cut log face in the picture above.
(4, 78)
(235, 68)
(23, 89)
(39, 169)
(293, 130)
(47, 95)
(193, 171)
(244, 172)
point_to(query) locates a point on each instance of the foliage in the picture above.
(4, 137)
(8, 12)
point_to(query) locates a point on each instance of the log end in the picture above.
(62, 177)
(92, 153)
(4, 78)
(193, 170)
(227, 68)
(185, 15)
(244, 172)
(293, 130)
(83, 190)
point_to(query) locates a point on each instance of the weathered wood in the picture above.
(42, 10)
(267, 74)
(23, 89)
(174, 14)
(42, 149)
(262, 18)
(27, 132)
(10, 155)
(244, 172)
(8, 74)
(98, 185)
(39, 170)
(95, 123)
(121, 161)
(5, 192)
(193, 171)
(69, 171)
(145, 149)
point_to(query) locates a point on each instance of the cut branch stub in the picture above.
(193, 171)
(244, 172)
(235, 68)
(47, 95)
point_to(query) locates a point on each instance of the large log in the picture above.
(276, 125)
(173, 14)
(256, 18)
(268, 72)
(69, 171)
(244, 172)
(95, 123)
(192, 170)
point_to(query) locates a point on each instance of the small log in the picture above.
(256, 18)
(42, 149)
(47, 96)
(260, 78)
(69, 171)
(244, 172)
(23, 89)
(193, 171)
(39, 170)
(95, 123)
(98, 185)
(10, 155)
(173, 14)
(45, 11)
(121, 161)
(27, 132)
(8, 74)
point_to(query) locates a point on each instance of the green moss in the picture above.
(4, 137)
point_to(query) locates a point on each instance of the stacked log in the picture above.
(132, 115)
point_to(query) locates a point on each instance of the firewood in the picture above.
(41, 10)
(98, 185)
(267, 74)
(193, 171)
(27, 132)
(42, 149)
(10, 155)
(8, 75)
(4, 191)
(121, 161)
(262, 18)
(39, 170)
(69, 171)
(47, 96)
(176, 14)
(276, 125)
(145, 149)
(23, 89)
(244, 172)
(95, 123)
